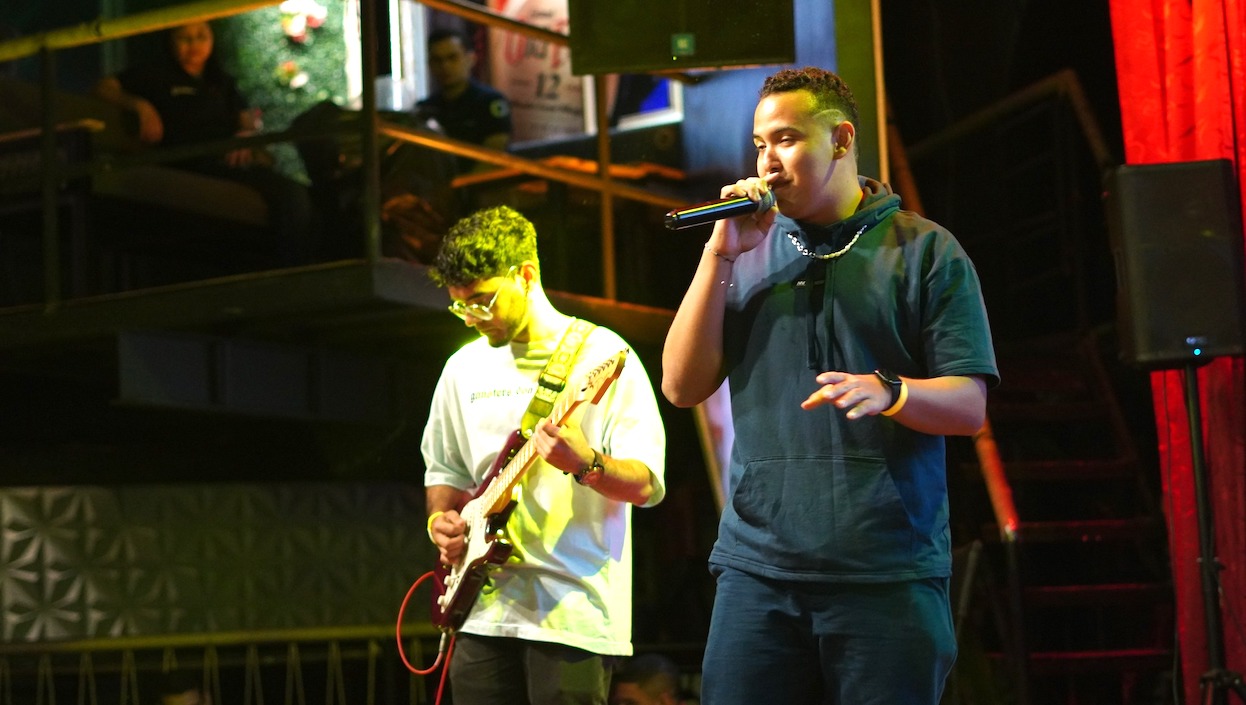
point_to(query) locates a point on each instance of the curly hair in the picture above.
(828, 90)
(482, 245)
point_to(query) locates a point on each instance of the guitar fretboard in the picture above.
(502, 485)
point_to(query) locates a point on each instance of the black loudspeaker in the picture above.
(1176, 237)
(637, 36)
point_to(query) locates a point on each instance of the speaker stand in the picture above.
(1217, 681)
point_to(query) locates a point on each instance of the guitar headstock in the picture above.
(599, 380)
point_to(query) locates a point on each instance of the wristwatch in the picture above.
(891, 382)
(590, 475)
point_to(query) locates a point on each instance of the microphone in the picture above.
(710, 211)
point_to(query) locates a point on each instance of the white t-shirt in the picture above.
(569, 580)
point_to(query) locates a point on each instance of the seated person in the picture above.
(187, 98)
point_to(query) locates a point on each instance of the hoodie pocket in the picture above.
(823, 514)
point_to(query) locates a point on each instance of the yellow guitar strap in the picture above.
(553, 378)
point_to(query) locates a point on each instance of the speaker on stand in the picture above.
(1176, 238)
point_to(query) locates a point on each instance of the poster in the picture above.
(547, 101)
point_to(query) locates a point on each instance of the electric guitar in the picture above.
(456, 587)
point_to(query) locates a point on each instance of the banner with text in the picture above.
(546, 99)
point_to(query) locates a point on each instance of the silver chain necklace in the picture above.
(800, 246)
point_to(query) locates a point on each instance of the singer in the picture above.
(853, 336)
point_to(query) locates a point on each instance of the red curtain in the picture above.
(1181, 72)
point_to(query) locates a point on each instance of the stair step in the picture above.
(1051, 389)
(1062, 411)
(1107, 660)
(1108, 594)
(1082, 531)
(1049, 470)
(1054, 373)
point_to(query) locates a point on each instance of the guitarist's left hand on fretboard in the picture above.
(563, 447)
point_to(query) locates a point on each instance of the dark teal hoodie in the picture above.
(812, 495)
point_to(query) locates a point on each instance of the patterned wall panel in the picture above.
(88, 562)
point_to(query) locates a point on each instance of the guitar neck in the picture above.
(508, 477)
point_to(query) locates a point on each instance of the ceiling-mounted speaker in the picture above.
(639, 36)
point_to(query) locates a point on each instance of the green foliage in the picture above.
(253, 47)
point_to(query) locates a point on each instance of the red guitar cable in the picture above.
(442, 649)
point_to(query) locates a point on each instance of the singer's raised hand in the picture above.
(692, 357)
(732, 236)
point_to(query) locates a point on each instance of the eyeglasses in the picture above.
(480, 313)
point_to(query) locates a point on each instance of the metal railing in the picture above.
(334, 666)
(46, 45)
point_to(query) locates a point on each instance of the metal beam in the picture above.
(104, 29)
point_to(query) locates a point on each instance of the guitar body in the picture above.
(455, 588)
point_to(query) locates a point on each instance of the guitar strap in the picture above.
(553, 378)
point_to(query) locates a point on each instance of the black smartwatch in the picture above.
(892, 382)
(591, 474)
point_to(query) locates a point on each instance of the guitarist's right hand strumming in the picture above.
(447, 532)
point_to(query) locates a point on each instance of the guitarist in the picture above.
(553, 618)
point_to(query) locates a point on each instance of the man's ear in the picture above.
(845, 135)
(529, 272)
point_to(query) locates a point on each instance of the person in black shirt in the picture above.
(418, 203)
(416, 207)
(187, 98)
(462, 107)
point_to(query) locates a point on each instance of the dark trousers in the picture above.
(799, 643)
(503, 671)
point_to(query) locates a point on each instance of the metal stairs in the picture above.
(1096, 622)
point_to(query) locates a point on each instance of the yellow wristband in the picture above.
(904, 397)
(431, 518)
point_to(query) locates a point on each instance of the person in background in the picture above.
(557, 614)
(418, 203)
(648, 679)
(185, 98)
(854, 338)
(460, 106)
(180, 688)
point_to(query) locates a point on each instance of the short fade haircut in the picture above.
(482, 245)
(440, 35)
(828, 90)
(655, 674)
